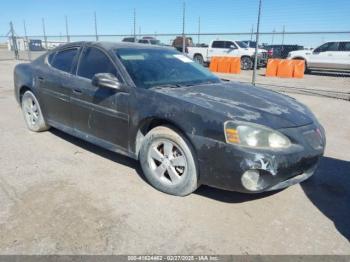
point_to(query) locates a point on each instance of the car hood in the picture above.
(243, 102)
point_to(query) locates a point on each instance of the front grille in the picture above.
(264, 55)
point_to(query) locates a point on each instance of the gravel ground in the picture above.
(60, 195)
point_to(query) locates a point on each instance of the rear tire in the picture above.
(199, 59)
(32, 113)
(168, 162)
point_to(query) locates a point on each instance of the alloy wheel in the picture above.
(167, 161)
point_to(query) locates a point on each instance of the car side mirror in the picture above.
(232, 47)
(107, 80)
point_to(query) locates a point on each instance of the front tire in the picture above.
(168, 162)
(32, 113)
(246, 63)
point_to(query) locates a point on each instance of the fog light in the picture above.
(252, 180)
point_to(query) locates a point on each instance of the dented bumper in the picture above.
(222, 165)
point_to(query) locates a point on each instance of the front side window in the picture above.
(95, 61)
(331, 46)
(242, 44)
(156, 67)
(63, 60)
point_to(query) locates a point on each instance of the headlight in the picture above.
(253, 135)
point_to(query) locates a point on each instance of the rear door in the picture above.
(344, 55)
(56, 94)
(101, 113)
(325, 56)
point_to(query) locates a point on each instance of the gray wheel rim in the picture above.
(167, 162)
(31, 111)
(198, 59)
(246, 63)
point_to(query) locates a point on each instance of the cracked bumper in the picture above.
(222, 165)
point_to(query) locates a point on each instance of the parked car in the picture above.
(281, 51)
(129, 39)
(177, 43)
(149, 40)
(184, 125)
(203, 55)
(334, 55)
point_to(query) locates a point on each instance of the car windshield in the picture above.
(161, 67)
(242, 44)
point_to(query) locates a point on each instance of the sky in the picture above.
(165, 16)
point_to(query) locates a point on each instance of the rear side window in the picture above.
(63, 60)
(344, 46)
(218, 44)
(94, 61)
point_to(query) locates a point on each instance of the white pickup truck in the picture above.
(334, 55)
(202, 55)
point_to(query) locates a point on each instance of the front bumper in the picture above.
(222, 165)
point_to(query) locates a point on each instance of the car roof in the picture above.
(113, 45)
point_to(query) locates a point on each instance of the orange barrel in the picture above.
(235, 67)
(285, 68)
(272, 66)
(214, 62)
(299, 68)
(224, 65)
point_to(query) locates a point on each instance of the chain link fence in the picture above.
(193, 30)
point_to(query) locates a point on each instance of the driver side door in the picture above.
(99, 114)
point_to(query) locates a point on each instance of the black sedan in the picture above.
(184, 125)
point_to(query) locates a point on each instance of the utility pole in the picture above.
(199, 30)
(14, 41)
(134, 24)
(44, 31)
(27, 40)
(95, 19)
(251, 33)
(273, 36)
(284, 30)
(67, 31)
(183, 29)
(257, 45)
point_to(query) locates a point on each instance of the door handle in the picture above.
(77, 91)
(40, 78)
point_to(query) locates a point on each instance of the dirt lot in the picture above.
(60, 195)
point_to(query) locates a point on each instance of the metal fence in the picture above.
(26, 46)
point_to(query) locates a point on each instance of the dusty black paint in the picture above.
(119, 120)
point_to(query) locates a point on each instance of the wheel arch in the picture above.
(146, 125)
(21, 92)
(195, 54)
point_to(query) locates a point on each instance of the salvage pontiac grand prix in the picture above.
(185, 126)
